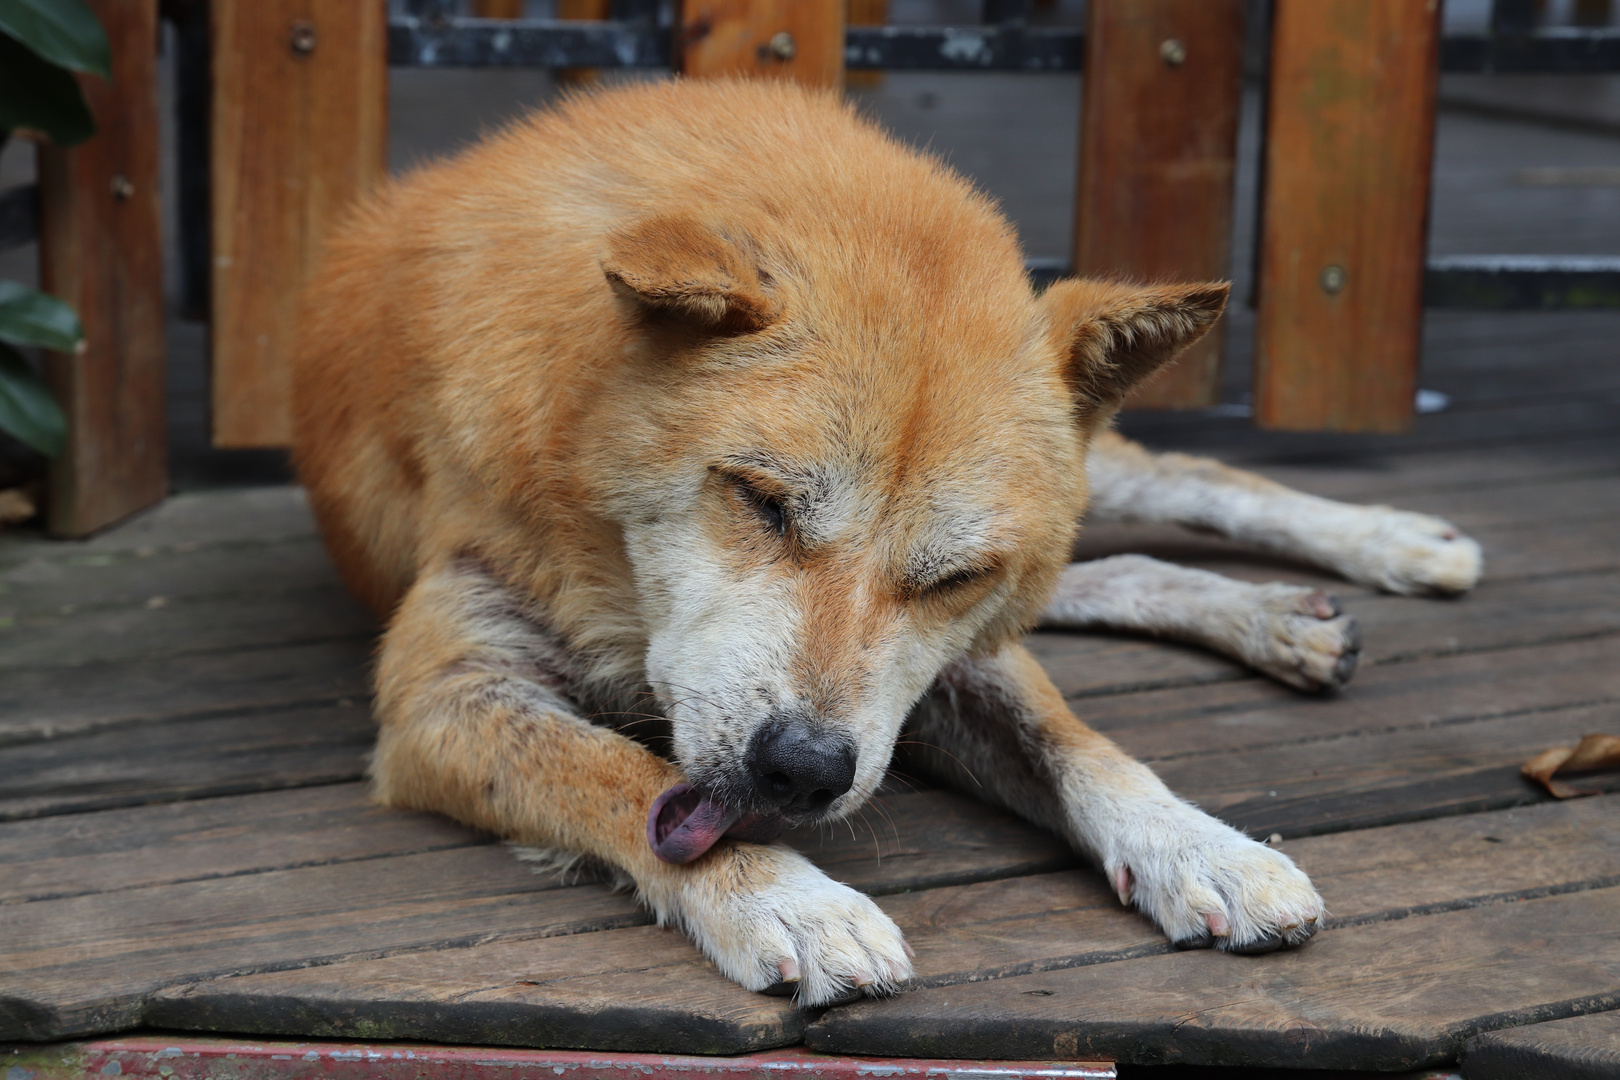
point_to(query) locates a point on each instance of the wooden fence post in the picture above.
(101, 250)
(1158, 147)
(801, 40)
(299, 130)
(1350, 141)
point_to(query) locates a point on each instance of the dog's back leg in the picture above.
(474, 696)
(1377, 546)
(1295, 635)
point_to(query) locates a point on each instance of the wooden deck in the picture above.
(185, 841)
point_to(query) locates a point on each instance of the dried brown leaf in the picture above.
(1593, 753)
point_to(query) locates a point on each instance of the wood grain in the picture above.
(1579, 1048)
(1388, 995)
(101, 250)
(732, 37)
(135, 765)
(75, 854)
(296, 138)
(962, 934)
(41, 703)
(1349, 140)
(1158, 148)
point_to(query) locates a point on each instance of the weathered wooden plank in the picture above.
(299, 130)
(185, 626)
(802, 40)
(640, 989)
(101, 250)
(109, 851)
(1349, 142)
(185, 759)
(961, 934)
(1248, 715)
(80, 580)
(1578, 1048)
(87, 963)
(1163, 87)
(41, 703)
(185, 522)
(1376, 778)
(1388, 995)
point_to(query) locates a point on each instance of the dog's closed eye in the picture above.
(770, 509)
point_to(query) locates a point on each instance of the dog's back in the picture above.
(500, 251)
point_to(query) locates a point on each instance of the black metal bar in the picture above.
(1511, 18)
(453, 42)
(19, 216)
(1497, 282)
(192, 98)
(962, 48)
(438, 40)
(1522, 282)
(1554, 51)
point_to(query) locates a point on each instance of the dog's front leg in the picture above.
(477, 722)
(996, 727)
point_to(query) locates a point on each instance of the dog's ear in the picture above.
(679, 269)
(1114, 335)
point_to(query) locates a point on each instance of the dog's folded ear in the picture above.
(679, 269)
(1114, 335)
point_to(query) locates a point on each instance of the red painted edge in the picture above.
(225, 1059)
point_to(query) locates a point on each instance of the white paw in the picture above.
(767, 916)
(1300, 637)
(1204, 883)
(1410, 554)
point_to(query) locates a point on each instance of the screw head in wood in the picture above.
(782, 45)
(302, 39)
(1173, 52)
(1332, 279)
(122, 188)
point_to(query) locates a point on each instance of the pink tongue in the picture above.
(683, 825)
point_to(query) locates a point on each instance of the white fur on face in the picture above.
(726, 632)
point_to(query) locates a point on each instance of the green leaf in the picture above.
(65, 32)
(30, 317)
(27, 409)
(37, 94)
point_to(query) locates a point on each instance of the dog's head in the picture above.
(843, 462)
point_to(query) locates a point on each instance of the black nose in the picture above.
(800, 768)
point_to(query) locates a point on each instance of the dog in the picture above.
(696, 439)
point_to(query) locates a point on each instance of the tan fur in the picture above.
(539, 380)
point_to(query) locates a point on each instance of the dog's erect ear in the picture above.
(1115, 335)
(678, 269)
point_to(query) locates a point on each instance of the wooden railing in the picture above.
(293, 126)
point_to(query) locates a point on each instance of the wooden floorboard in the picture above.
(185, 840)
(1577, 1048)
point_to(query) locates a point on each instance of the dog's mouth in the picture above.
(684, 823)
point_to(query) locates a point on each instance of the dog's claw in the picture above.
(789, 969)
(1122, 885)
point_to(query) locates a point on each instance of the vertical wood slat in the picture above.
(299, 131)
(101, 250)
(580, 9)
(733, 37)
(865, 13)
(1158, 149)
(1350, 140)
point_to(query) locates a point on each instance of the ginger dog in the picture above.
(696, 439)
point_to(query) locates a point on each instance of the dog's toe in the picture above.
(1301, 637)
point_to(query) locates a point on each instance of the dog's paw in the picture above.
(1300, 637)
(1410, 554)
(767, 916)
(1206, 884)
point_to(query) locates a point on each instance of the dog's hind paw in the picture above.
(1299, 637)
(1406, 553)
(770, 920)
(1211, 886)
